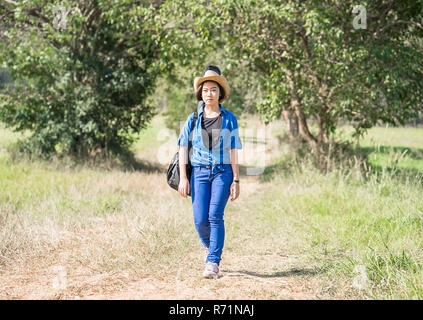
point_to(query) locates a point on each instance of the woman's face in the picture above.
(210, 93)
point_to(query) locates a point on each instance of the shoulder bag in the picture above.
(173, 169)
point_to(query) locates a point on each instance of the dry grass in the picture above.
(125, 236)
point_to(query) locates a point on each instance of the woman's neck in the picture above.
(211, 110)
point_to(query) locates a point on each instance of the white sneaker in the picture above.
(211, 270)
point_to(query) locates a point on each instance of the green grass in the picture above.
(392, 147)
(340, 223)
(393, 136)
(347, 221)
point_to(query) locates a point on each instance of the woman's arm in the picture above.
(183, 161)
(183, 187)
(234, 163)
(235, 170)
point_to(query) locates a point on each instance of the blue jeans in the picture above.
(210, 193)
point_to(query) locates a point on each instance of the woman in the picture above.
(214, 161)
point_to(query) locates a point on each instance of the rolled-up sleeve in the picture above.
(185, 131)
(235, 140)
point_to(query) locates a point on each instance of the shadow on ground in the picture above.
(126, 161)
(279, 274)
(131, 163)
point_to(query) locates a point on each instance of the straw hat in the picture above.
(212, 73)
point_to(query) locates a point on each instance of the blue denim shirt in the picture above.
(220, 154)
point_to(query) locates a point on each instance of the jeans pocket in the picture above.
(227, 175)
(226, 168)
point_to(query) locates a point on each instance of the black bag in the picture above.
(173, 170)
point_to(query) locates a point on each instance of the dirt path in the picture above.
(235, 283)
(245, 277)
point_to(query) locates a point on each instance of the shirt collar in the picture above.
(202, 104)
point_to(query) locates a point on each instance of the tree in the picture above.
(81, 71)
(312, 62)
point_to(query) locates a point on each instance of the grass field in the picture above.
(71, 232)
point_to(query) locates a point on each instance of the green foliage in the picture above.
(82, 72)
(86, 86)
(310, 58)
(180, 104)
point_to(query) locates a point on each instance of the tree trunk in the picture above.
(322, 137)
(321, 130)
(305, 132)
(291, 120)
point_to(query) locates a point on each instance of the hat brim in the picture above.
(219, 79)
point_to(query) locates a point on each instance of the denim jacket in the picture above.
(220, 154)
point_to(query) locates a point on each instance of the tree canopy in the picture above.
(82, 71)
(313, 62)
(82, 84)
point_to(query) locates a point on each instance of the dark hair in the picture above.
(213, 68)
(199, 94)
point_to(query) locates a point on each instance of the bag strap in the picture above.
(194, 122)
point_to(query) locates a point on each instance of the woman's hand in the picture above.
(234, 191)
(183, 187)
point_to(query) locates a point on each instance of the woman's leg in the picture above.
(200, 194)
(220, 190)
